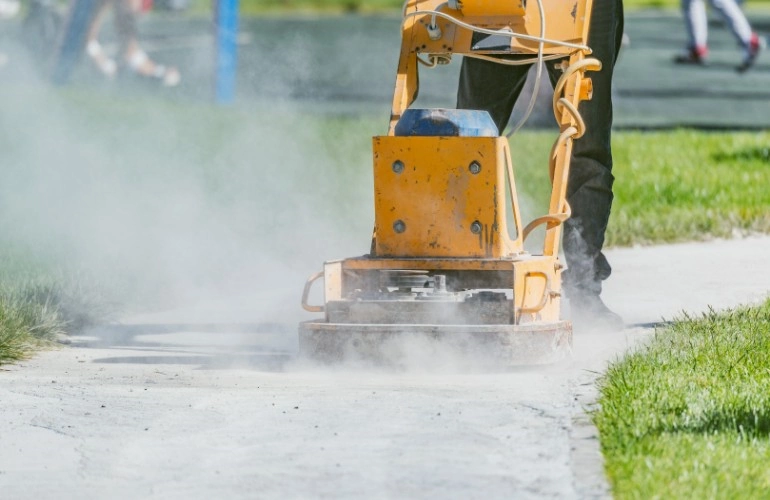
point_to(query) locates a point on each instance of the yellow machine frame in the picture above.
(442, 204)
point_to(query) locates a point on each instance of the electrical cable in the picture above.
(431, 63)
(510, 34)
(438, 8)
(539, 59)
(515, 62)
(590, 64)
(559, 103)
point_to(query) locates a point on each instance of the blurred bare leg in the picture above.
(137, 59)
(104, 63)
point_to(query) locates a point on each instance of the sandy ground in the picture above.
(197, 415)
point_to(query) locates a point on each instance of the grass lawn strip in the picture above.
(38, 303)
(672, 186)
(688, 416)
(26, 323)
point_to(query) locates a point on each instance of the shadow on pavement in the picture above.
(257, 361)
(260, 346)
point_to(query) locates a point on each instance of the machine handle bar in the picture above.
(306, 293)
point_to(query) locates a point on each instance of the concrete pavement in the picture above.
(181, 413)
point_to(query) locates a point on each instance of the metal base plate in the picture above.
(490, 345)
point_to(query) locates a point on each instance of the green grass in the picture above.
(26, 323)
(39, 302)
(673, 186)
(29, 316)
(689, 415)
(695, 186)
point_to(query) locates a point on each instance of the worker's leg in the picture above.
(589, 189)
(491, 87)
(735, 20)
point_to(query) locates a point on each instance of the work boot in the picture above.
(589, 313)
(693, 55)
(756, 44)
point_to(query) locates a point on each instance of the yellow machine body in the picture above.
(443, 197)
(486, 8)
(447, 260)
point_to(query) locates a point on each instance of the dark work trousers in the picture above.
(495, 87)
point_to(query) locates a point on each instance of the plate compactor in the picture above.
(447, 263)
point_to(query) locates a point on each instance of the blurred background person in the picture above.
(79, 33)
(8, 9)
(696, 21)
(131, 58)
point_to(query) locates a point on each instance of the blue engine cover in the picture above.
(446, 122)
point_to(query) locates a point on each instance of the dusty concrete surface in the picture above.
(196, 415)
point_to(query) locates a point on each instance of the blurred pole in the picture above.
(73, 39)
(227, 49)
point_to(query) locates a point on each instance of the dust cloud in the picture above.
(177, 211)
(169, 204)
